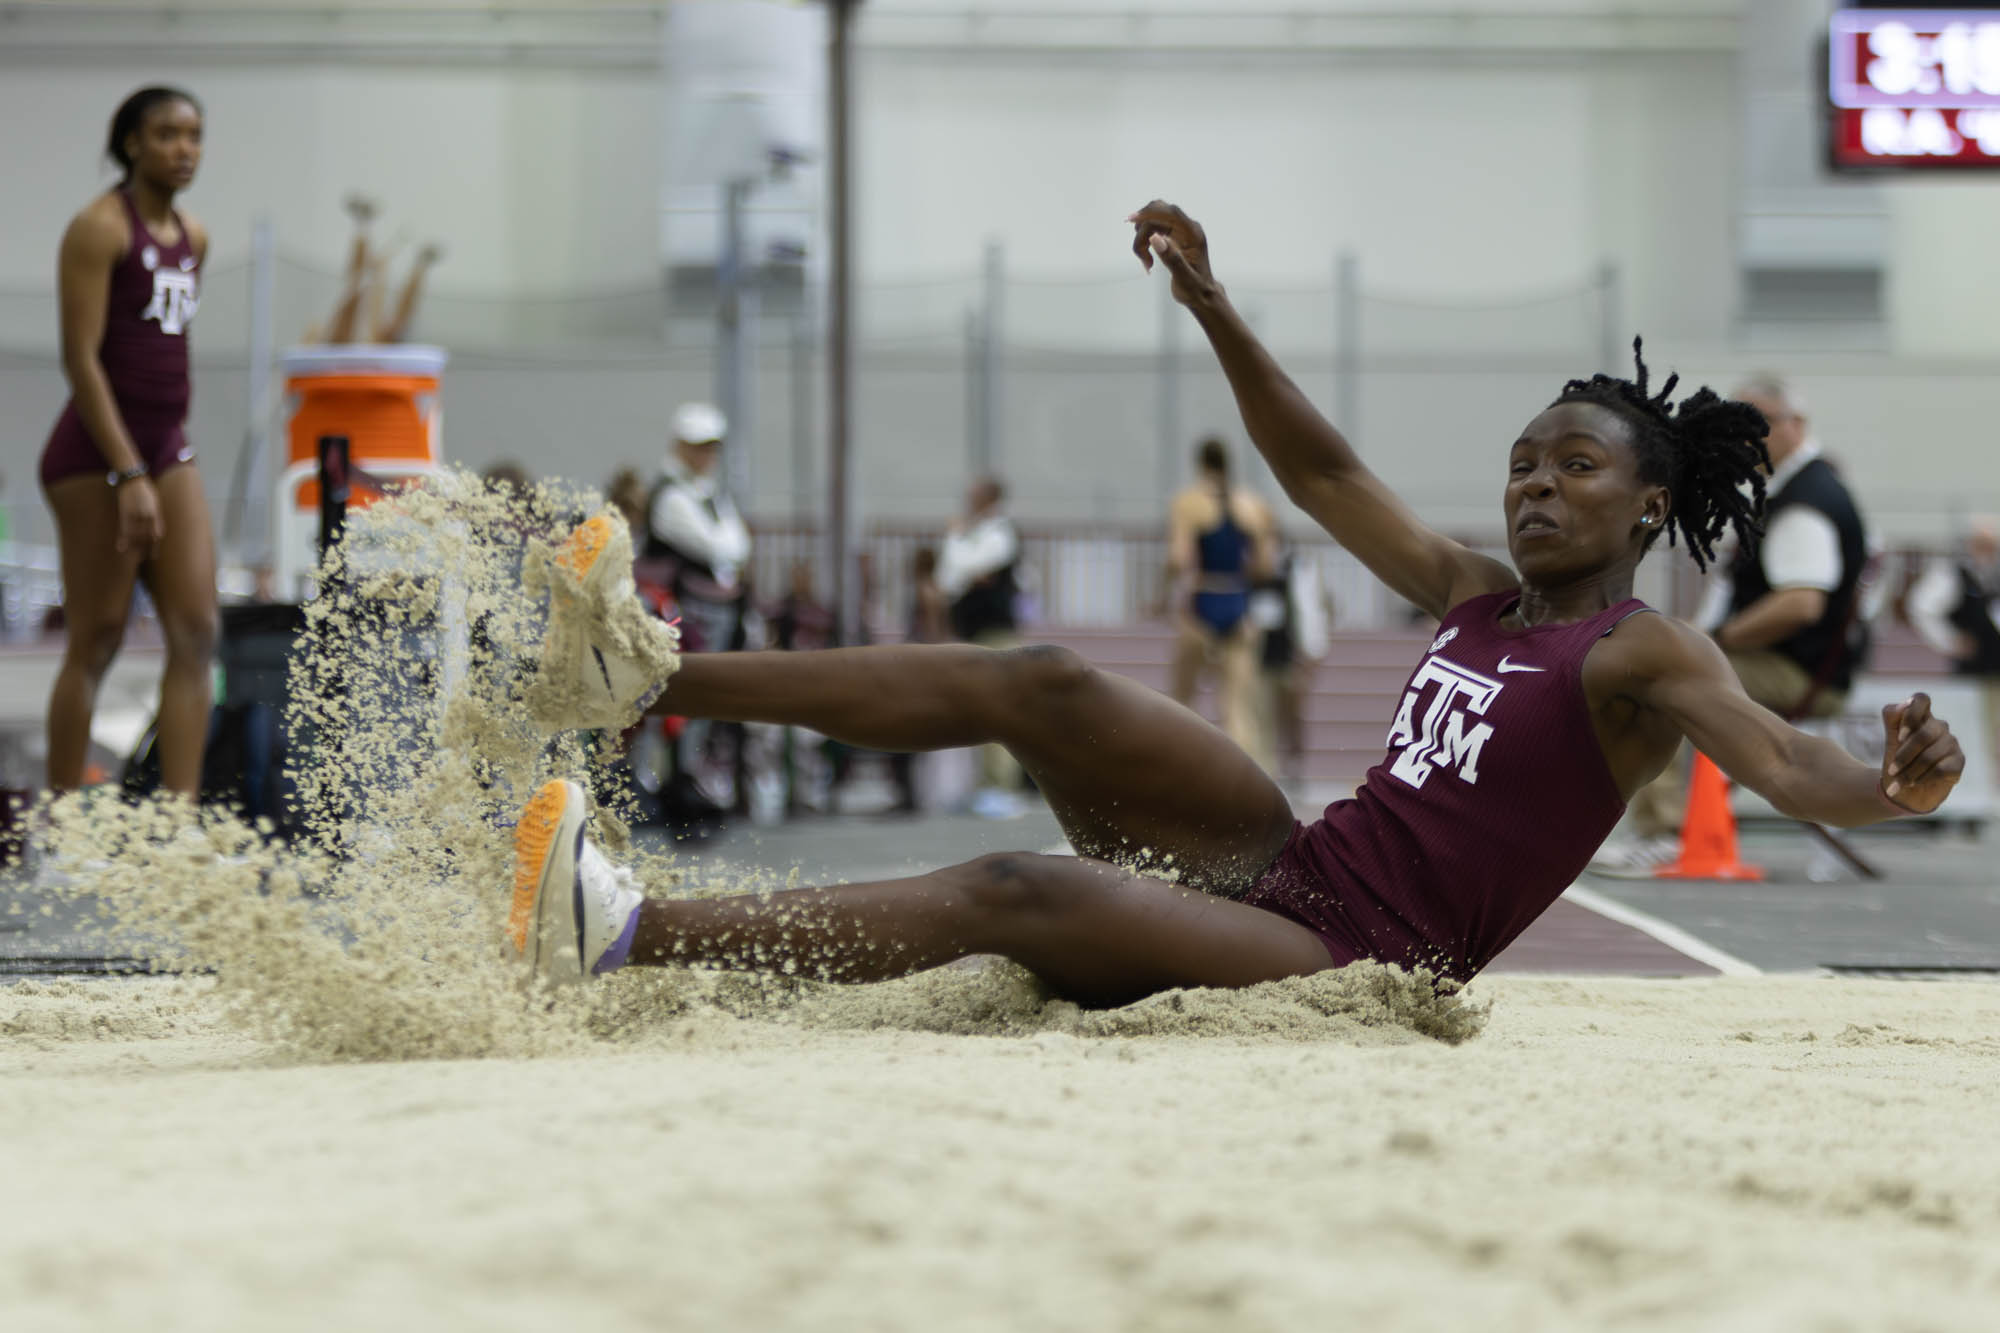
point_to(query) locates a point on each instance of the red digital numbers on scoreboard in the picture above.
(1915, 88)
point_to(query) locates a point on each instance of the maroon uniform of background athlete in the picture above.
(154, 291)
(1489, 803)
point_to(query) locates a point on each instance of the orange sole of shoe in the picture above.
(580, 551)
(532, 838)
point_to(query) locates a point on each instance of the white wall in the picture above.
(535, 180)
(1464, 183)
(1944, 287)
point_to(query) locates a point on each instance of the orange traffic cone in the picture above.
(1708, 834)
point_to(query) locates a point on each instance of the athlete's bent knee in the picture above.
(1047, 673)
(1012, 886)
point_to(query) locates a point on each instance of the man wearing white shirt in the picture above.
(1791, 622)
(1954, 606)
(976, 565)
(693, 528)
(1785, 612)
(690, 518)
(976, 573)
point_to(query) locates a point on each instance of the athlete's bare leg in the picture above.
(181, 578)
(398, 327)
(377, 281)
(1097, 934)
(1126, 770)
(97, 583)
(1191, 654)
(1235, 702)
(346, 317)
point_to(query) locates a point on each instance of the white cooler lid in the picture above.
(363, 359)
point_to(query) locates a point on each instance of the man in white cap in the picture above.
(693, 528)
(690, 519)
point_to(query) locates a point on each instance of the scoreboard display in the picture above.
(1914, 88)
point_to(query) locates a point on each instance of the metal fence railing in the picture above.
(1085, 389)
(1071, 577)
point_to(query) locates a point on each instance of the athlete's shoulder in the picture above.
(1193, 507)
(1484, 578)
(1648, 645)
(100, 229)
(197, 233)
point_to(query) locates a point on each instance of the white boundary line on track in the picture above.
(1728, 964)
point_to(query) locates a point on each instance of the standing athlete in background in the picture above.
(118, 470)
(1219, 542)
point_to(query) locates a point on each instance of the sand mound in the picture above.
(1610, 1155)
(990, 997)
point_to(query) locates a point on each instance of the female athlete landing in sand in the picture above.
(1549, 695)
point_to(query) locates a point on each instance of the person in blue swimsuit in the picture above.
(1219, 541)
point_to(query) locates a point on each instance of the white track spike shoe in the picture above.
(604, 656)
(573, 912)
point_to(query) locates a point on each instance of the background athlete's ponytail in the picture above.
(1212, 456)
(1704, 451)
(131, 114)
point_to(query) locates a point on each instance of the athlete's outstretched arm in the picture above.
(1312, 460)
(1681, 672)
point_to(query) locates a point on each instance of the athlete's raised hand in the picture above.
(1163, 230)
(1921, 759)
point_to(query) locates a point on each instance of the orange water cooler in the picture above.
(385, 400)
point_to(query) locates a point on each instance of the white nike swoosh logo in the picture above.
(1505, 665)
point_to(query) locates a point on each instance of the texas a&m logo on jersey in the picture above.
(1437, 725)
(174, 298)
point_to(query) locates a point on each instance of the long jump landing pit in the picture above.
(374, 1127)
(1762, 1153)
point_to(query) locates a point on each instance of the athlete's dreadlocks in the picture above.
(1702, 451)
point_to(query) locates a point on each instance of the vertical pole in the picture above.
(732, 367)
(1167, 374)
(1347, 343)
(1610, 317)
(993, 277)
(978, 449)
(255, 535)
(841, 526)
(802, 435)
(334, 486)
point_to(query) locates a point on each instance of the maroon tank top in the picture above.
(154, 291)
(1492, 797)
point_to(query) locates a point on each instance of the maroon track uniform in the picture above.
(1489, 803)
(154, 291)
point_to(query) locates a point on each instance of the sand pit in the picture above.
(1771, 1153)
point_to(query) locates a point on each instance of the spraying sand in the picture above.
(365, 1118)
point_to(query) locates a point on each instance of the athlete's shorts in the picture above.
(157, 432)
(1292, 888)
(1221, 612)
